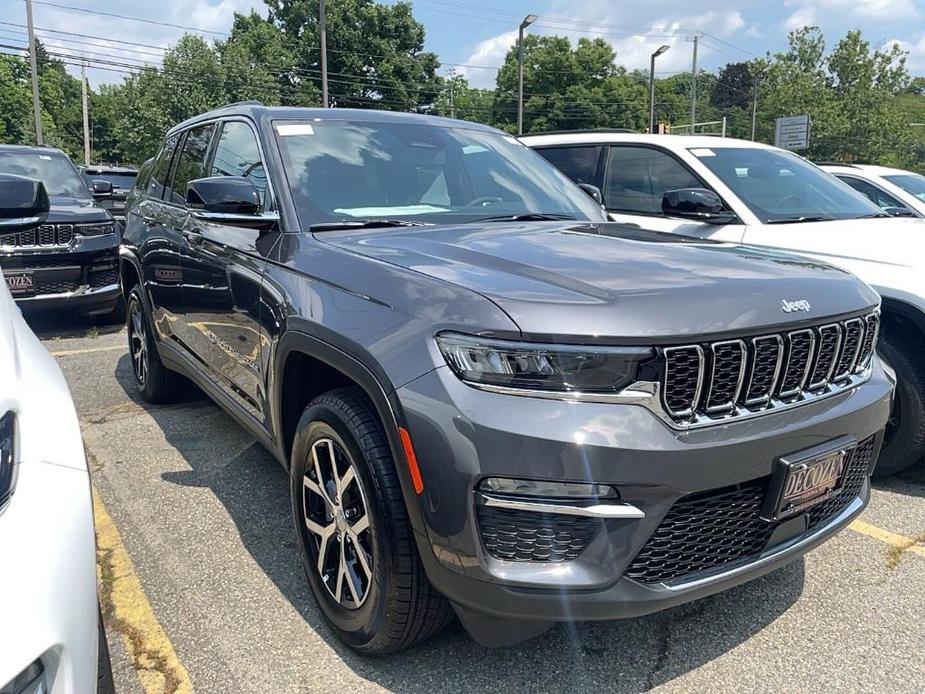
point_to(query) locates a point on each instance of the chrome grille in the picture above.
(731, 377)
(767, 356)
(44, 235)
(800, 347)
(683, 379)
(851, 347)
(829, 342)
(727, 365)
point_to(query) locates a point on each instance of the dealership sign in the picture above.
(792, 132)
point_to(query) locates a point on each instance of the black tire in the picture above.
(400, 607)
(156, 383)
(104, 679)
(904, 442)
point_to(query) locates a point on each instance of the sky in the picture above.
(472, 36)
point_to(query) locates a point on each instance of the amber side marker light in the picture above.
(412, 460)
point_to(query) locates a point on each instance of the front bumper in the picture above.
(462, 435)
(49, 578)
(85, 279)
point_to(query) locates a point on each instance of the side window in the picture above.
(192, 162)
(638, 177)
(875, 194)
(161, 167)
(237, 154)
(578, 163)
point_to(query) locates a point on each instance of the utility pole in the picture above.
(528, 20)
(86, 114)
(694, 85)
(36, 104)
(754, 107)
(324, 54)
(452, 103)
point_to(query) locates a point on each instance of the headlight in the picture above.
(7, 455)
(100, 229)
(541, 367)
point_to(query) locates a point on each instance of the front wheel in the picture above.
(357, 546)
(156, 383)
(904, 440)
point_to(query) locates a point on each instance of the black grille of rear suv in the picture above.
(708, 530)
(44, 235)
(722, 379)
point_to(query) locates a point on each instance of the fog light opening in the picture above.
(545, 489)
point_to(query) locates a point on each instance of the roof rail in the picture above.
(248, 102)
(585, 130)
(836, 163)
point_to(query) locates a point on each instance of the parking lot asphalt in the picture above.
(202, 514)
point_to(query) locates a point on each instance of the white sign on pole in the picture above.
(792, 132)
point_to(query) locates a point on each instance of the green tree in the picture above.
(376, 56)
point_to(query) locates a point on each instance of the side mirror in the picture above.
(899, 211)
(697, 204)
(593, 191)
(100, 188)
(23, 201)
(232, 200)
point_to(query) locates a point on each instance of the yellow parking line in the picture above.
(901, 543)
(89, 350)
(126, 610)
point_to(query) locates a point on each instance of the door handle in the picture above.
(194, 239)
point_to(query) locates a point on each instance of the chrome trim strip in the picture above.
(809, 361)
(738, 390)
(815, 385)
(698, 391)
(794, 546)
(764, 399)
(82, 291)
(599, 510)
(875, 318)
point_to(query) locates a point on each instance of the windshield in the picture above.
(123, 180)
(349, 170)
(912, 183)
(779, 186)
(55, 170)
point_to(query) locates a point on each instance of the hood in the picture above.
(900, 241)
(610, 281)
(75, 210)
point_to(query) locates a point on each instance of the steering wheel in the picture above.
(483, 201)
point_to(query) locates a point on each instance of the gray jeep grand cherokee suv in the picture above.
(490, 400)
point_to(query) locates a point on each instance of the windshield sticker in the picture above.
(45, 157)
(703, 152)
(287, 129)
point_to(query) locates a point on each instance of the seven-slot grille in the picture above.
(721, 378)
(44, 235)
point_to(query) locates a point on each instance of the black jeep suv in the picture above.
(491, 400)
(68, 262)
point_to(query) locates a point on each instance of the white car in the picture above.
(745, 192)
(895, 190)
(50, 635)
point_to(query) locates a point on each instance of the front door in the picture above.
(222, 267)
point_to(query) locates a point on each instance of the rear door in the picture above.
(222, 267)
(635, 179)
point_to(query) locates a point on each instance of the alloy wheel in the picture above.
(336, 517)
(138, 343)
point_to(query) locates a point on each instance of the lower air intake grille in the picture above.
(528, 536)
(707, 530)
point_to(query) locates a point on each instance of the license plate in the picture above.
(19, 284)
(800, 484)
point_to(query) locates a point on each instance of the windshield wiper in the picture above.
(365, 224)
(874, 215)
(527, 217)
(798, 220)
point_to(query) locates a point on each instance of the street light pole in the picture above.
(36, 104)
(657, 53)
(85, 109)
(324, 54)
(754, 107)
(694, 86)
(528, 20)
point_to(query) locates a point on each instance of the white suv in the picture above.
(895, 190)
(745, 192)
